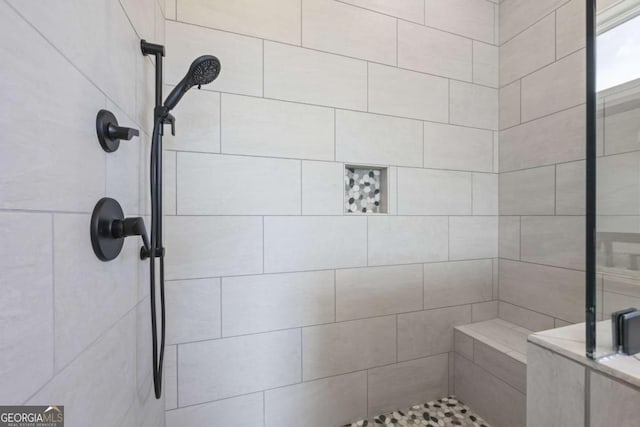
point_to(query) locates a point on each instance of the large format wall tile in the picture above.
(429, 332)
(457, 147)
(487, 394)
(485, 193)
(377, 139)
(314, 243)
(26, 309)
(571, 188)
(406, 384)
(528, 192)
(322, 188)
(455, 283)
(337, 81)
(408, 94)
(433, 192)
(411, 10)
(276, 301)
(407, 239)
(212, 246)
(471, 18)
(472, 237)
(555, 388)
(378, 291)
(102, 378)
(193, 310)
(330, 401)
(474, 105)
(517, 15)
(354, 31)
(557, 138)
(197, 122)
(345, 347)
(90, 295)
(211, 370)
(554, 88)
(611, 402)
(526, 318)
(570, 27)
(557, 241)
(553, 291)
(212, 184)
(509, 237)
(486, 64)
(276, 20)
(263, 127)
(528, 51)
(72, 22)
(510, 105)
(40, 168)
(435, 52)
(240, 56)
(241, 411)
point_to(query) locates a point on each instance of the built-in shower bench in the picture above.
(490, 370)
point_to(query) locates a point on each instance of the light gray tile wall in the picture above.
(258, 224)
(67, 317)
(542, 175)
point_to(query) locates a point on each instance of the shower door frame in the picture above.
(590, 205)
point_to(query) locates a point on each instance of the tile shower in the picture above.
(285, 300)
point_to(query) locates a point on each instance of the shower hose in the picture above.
(157, 251)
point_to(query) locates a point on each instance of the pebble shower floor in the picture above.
(445, 412)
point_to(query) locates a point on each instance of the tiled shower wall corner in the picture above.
(542, 168)
(281, 307)
(75, 331)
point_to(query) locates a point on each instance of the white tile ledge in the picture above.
(501, 335)
(569, 341)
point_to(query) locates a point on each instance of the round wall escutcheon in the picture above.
(105, 246)
(104, 119)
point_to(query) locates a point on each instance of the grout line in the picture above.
(368, 87)
(364, 370)
(367, 243)
(534, 23)
(421, 24)
(53, 288)
(221, 284)
(377, 113)
(335, 296)
(177, 376)
(555, 189)
(397, 41)
(520, 239)
(335, 131)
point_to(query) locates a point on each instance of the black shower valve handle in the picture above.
(110, 133)
(120, 132)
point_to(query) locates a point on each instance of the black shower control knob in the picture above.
(109, 133)
(117, 132)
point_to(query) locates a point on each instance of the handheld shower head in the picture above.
(203, 71)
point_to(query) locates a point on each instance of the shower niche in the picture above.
(365, 190)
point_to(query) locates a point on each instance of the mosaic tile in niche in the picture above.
(364, 189)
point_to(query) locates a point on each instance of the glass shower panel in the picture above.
(617, 165)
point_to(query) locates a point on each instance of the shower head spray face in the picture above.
(202, 71)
